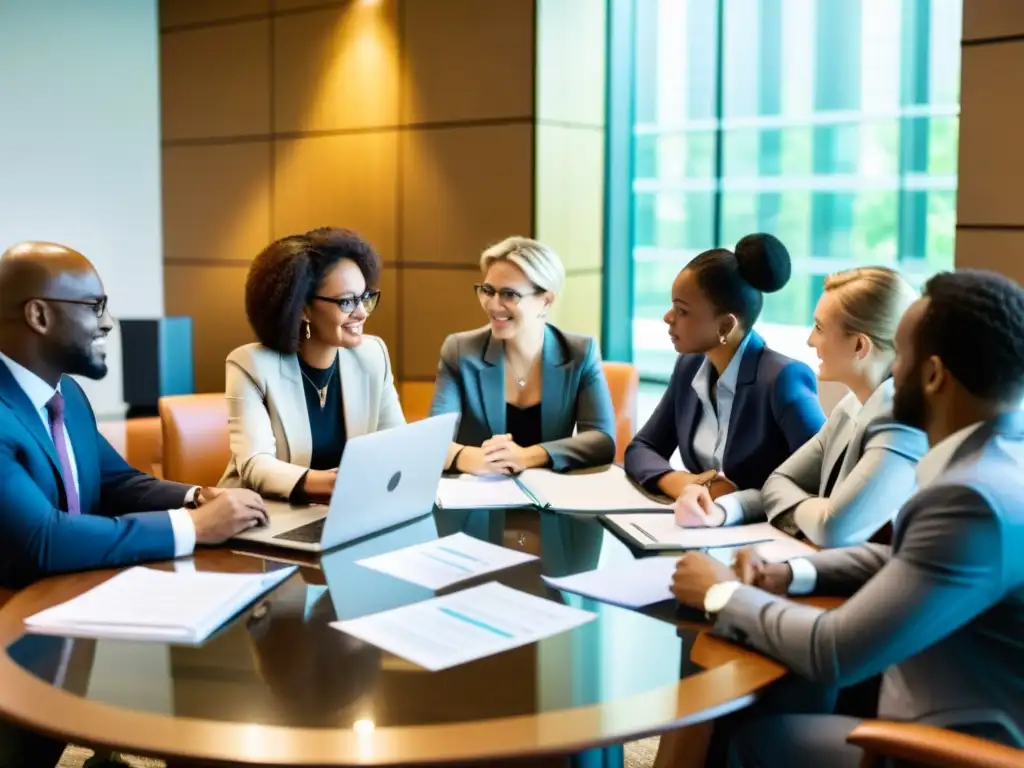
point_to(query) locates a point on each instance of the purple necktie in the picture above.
(55, 408)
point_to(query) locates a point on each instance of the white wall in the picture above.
(80, 146)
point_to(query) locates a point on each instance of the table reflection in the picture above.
(282, 662)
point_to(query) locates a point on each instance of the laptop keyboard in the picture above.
(309, 533)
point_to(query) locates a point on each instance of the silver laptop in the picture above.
(385, 479)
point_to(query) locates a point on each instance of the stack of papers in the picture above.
(162, 606)
(593, 491)
(469, 625)
(629, 585)
(660, 532)
(443, 562)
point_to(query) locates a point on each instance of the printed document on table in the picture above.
(486, 492)
(148, 604)
(660, 532)
(468, 625)
(629, 585)
(776, 551)
(439, 563)
(604, 490)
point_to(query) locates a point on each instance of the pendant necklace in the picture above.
(322, 392)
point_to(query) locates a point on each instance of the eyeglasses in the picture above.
(348, 304)
(98, 306)
(505, 295)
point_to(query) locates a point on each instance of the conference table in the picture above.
(279, 686)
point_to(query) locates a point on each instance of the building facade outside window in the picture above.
(831, 124)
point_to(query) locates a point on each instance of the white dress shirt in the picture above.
(931, 465)
(39, 394)
(712, 431)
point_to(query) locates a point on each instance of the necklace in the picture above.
(520, 380)
(321, 391)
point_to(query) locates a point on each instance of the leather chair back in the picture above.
(624, 382)
(195, 436)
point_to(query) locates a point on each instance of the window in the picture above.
(831, 124)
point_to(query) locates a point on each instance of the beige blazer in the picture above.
(271, 443)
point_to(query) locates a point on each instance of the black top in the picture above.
(523, 424)
(326, 424)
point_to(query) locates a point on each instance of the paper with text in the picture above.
(629, 585)
(148, 604)
(468, 625)
(442, 562)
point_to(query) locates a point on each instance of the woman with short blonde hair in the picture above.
(850, 479)
(530, 394)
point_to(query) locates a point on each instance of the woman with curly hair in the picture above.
(314, 379)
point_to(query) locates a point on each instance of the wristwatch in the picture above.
(194, 502)
(718, 595)
(706, 478)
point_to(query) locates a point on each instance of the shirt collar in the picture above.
(730, 375)
(933, 463)
(37, 390)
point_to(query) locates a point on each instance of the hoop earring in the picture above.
(308, 333)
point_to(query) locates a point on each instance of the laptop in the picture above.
(385, 479)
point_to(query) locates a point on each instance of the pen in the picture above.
(645, 533)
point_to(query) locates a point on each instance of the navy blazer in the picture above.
(37, 536)
(574, 395)
(774, 412)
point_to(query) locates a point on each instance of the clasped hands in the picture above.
(697, 572)
(499, 455)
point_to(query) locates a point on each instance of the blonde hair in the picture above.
(871, 301)
(540, 264)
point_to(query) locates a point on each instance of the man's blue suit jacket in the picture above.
(37, 536)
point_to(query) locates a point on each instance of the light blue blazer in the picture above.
(574, 395)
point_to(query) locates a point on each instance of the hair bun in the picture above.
(763, 262)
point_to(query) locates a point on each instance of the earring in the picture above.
(723, 340)
(308, 334)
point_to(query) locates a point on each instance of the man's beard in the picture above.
(84, 362)
(908, 402)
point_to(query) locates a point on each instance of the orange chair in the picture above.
(624, 383)
(416, 397)
(195, 434)
(929, 745)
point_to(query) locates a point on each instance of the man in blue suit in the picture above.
(68, 501)
(939, 613)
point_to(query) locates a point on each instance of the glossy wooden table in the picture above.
(278, 686)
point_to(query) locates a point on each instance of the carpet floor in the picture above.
(639, 754)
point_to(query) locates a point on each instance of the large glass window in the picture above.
(831, 124)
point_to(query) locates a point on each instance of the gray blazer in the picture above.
(847, 481)
(574, 394)
(941, 612)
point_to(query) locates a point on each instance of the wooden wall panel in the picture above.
(215, 298)
(992, 18)
(177, 12)
(337, 68)
(214, 81)
(384, 320)
(998, 250)
(468, 60)
(347, 180)
(216, 201)
(464, 189)
(991, 182)
(435, 303)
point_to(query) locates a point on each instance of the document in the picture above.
(658, 531)
(443, 562)
(162, 606)
(604, 490)
(629, 585)
(468, 625)
(776, 551)
(487, 492)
